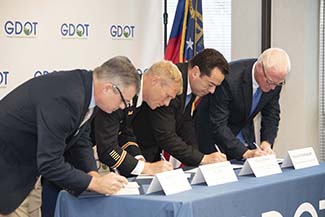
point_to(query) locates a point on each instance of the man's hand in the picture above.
(94, 173)
(157, 167)
(110, 183)
(265, 146)
(254, 153)
(213, 158)
(262, 150)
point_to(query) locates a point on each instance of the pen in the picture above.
(162, 157)
(256, 145)
(116, 171)
(218, 150)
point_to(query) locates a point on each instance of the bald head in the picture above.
(276, 60)
(272, 68)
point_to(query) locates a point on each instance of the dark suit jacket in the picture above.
(229, 108)
(115, 140)
(39, 135)
(170, 128)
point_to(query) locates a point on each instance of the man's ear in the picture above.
(195, 72)
(106, 87)
(155, 79)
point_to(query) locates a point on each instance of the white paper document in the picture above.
(132, 188)
(234, 166)
(261, 166)
(170, 182)
(300, 158)
(215, 174)
(279, 160)
(144, 176)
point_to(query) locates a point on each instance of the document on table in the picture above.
(145, 176)
(132, 188)
(234, 166)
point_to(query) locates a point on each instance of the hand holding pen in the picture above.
(265, 146)
(261, 150)
(214, 157)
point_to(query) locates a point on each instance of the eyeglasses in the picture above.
(127, 104)
(270, 82)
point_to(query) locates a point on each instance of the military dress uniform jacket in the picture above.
(115, 140)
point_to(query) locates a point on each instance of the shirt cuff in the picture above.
(140, 157)
(138, 168)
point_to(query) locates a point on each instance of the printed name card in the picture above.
(170, 182)
(215, 174)
(261, 166)
(300, 158)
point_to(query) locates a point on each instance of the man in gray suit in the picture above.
(44, 130)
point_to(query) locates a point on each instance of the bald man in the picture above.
(252, 86)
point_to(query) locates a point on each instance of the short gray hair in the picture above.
(276, 58)
(120, 71)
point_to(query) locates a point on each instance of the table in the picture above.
(288, 194)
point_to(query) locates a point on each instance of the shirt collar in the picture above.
(140, 99)
(189, 89)
(254, 82)
(92, 103)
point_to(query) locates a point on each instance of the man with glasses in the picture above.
(116, 143)
(252, 86)
(170, 127)
(45, 130)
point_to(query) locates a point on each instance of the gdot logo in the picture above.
(21, 29)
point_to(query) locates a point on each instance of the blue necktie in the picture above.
(188, 99)
(256, 98)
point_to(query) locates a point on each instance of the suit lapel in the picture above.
(247, 90)
(87, 79)
(183, 67)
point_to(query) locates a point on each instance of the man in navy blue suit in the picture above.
(44, 130)
(226, 117)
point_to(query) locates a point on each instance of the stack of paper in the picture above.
(132, 188)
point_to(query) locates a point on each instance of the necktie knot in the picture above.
(188, 99)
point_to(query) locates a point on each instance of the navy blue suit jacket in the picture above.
(221, 116)
(40, 135)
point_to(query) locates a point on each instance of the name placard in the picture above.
(215, 174)
(261, 166)
(170, 182)
(300, 158)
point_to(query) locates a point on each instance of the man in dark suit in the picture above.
(252, 86)
(170, 127)
(44, 130)
(113, 132)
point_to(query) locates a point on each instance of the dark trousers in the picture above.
(49, 196)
